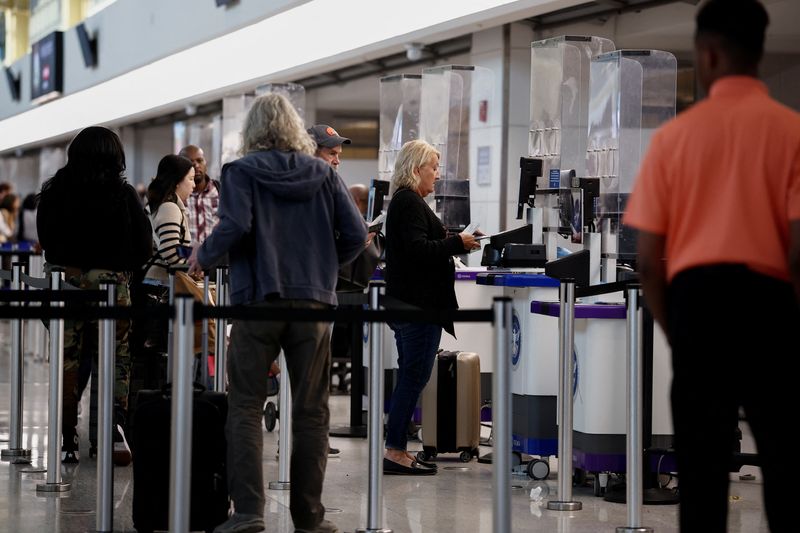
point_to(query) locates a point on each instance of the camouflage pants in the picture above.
(81, 337)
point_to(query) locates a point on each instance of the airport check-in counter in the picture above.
(599, 384)
(534, 360)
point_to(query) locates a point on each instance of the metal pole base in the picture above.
(564, 506)
(634, 530)
(367, 530)
(10, 453)
(651, 496)
(279, 485)
(53, 487)
(355, 432)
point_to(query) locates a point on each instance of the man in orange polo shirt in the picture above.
(718, 196)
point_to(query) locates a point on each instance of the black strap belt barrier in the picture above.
(81, 311)
(603, 288)
(46, 295)
(38, 283)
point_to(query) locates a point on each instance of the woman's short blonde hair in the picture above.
(273, 123)
(412, 155)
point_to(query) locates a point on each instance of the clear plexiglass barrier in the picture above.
(455, 105)
(295, 92)
(560, 103)
(399, 118)
(632, 94)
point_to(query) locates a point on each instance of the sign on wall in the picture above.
(47, 68)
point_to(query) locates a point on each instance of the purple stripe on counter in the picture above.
(581, 310)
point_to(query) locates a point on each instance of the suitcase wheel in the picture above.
(270, 416)
(538, 469)
(465, 456)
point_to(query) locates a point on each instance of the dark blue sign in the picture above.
(47, 66)
(555, 178)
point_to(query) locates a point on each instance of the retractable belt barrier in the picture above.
(182, 314)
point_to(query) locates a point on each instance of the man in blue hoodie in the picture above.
(287, 222)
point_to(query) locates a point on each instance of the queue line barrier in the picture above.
(634, 400)
(183, 313)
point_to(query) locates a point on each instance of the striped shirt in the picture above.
(169, 231)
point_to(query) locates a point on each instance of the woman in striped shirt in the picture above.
(166, 200)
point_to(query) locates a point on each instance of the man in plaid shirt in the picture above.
(201, 208)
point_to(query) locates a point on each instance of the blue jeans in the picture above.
(416, 349)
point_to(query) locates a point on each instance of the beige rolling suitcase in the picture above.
(451, 402)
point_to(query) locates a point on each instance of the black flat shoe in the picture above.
(396, 469)
(426, 464)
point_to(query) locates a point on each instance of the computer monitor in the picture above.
(378, 191)
(493, 251)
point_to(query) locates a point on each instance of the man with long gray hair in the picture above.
(287, 222)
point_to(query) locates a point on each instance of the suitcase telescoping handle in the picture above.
(197, 387)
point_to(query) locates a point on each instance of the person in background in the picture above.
(360, 194)
(9, 212)
(202, 205)
(91, 224)
(5, 188)
(278, 179)
(419, 272)
(26, 229)
(717, 209)
(329, 144)
(329, 149)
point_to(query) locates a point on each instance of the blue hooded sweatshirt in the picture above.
(287, 222)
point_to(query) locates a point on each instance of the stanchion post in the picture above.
(53, 481)
(171, 326)
(566, 342)
(285, 430)
(204, 337)
(105, 416)
(501, 417)
(15, 452)
(634, 483)
(375, 418)
(180, 452)
(219, 349)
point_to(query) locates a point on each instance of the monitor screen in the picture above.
(378, 191)
(523, 235)
(47, 67)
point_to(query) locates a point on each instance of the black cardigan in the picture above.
(419, 255)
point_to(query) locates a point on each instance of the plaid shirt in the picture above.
(201, 212)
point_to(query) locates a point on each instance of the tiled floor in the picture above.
(458, 499)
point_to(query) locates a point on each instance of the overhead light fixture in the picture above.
(88, 45)
(190, 109)
(414, 51)
(13, 84)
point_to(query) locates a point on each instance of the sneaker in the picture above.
(241, 523)
(333, 452)
(325, 526)
(69, 450)
(122, 452)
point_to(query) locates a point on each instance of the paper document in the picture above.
(471, 228)
(376, 224)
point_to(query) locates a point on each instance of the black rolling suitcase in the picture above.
(151, 434)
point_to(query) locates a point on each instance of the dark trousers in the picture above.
(253, 348)
(734, 338)
(416, 350)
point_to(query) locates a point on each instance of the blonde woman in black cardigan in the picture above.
(420, 272)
